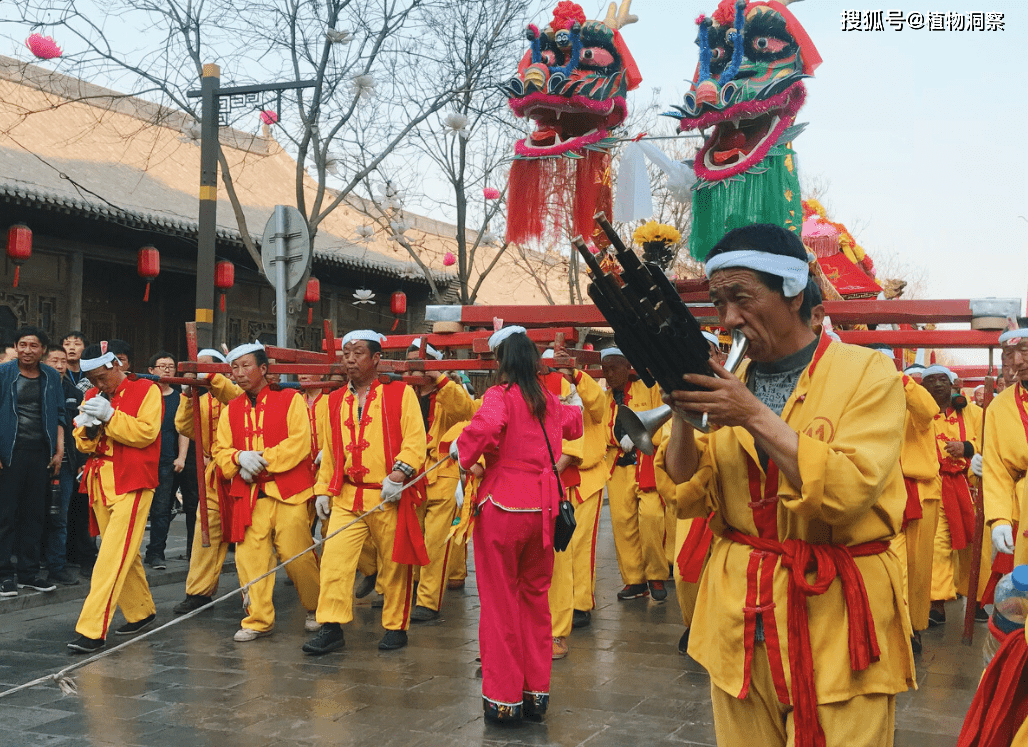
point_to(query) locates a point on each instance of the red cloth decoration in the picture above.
(449, 259)
(725, 13)
(148, 265)
(956, 502)
(566, 14)
(913, 508)
(1000, 703)
(19, 247)
(848, 278)
(694, 550)
(269, 117)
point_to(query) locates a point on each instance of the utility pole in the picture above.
(210, 94)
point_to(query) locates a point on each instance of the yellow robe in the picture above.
(1004, 465)
(205, 563)
(849, 416)
(118, 576)
(365, 449)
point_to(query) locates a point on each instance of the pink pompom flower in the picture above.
(269, 117)
(491, 193)
(43, 47)
(449, 260)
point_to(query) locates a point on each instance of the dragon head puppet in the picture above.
(571, 84)
(747, 89)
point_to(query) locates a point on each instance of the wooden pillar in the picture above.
(75, 292)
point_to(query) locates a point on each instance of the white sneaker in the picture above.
(244, 635)
(311, 624)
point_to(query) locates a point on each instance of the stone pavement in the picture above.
(623, 683)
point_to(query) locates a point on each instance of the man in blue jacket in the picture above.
(31, 449)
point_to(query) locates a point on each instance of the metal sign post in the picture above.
(286, 259)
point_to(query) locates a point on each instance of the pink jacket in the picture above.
(518, 474)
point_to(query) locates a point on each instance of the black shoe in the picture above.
(328, 639)
(138, 626)
(392, 640)
(915, 642)
(501, 714)
(86, 571)
(158, 564)
(190, 603)
(657, 591)
(8, 588)
(64, 577)
(83, 645)
(38, 583)
(423, 614)
(683, 643)
(981, 616)
(581, 618)
(534, 706)
(936, 616)
(633, 591)
(366, 586)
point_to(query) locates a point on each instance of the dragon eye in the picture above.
(717, 53)
(549, 58)
(769, 44)
(596, 56)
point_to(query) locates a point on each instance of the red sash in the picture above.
(956, 494)
(694, 550)
(1002, 564)
(913, 509)
(1000, 704)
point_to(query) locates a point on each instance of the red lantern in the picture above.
(19, 247)
(224, 279)
(148, 265)
(397, 305)
(311, 296)
(587, 346)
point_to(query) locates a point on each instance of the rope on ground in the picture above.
(63, 679)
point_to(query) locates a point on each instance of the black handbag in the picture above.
(564, 525)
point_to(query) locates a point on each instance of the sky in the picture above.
(918, 134)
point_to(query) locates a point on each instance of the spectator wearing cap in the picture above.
(31, 449)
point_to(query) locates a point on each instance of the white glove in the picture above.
(627, 444)
(454, 455)
(573, 399)
(460, 494)
(323, 505)
(85, 420)
(1003, 538)
(99, 408)
(252, 462)
(391, 491)
(246, 475)
(317, 459)
(976, 465)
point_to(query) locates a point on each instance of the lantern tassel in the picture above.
(310, 314)
(17, 272)
(221, 303)
(396, 321)
(146, 295)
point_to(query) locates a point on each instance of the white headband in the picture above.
(914, 368)
(245, 349)
(548, 354)
(793, 271)
(431, 351)
(91, 364)
(936, 370)
(367, 335)
(215, 354)
(1012, 334)
(500, 335)
(607, 352)
(711, 338)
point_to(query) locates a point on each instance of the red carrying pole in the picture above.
(201, 476)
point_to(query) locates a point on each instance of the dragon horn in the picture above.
(787, 2)
(619, 18)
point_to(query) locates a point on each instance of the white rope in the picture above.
(67, 684)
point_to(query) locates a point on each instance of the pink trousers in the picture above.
(513, 572)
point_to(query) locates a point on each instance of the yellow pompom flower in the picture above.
(653, 231)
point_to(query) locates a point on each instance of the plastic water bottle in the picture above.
(1010, 607)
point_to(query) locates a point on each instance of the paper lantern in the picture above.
(43, 47)
(224, 279)
(398, 303)
(148, 265)
(311, 296)
(588, 346)
(19, 247)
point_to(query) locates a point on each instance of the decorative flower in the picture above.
(363, 85)
(43, 47)
(399, 226)
(566, 14)
(333, 164)
(700, 19)
(269, 117)
(338, 37)
(389, 197)
(725, 13)
(449, 260)
(457, 123)
(363, 295)
(490, 239)
(491, 193)
(653, 231)
(365, 233)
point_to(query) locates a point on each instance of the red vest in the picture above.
(134, 468)
(275, 405)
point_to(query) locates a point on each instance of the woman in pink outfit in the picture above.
(517, 505)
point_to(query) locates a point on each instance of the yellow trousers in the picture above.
(339, 563)
(285, 529)
(670, 530)
(457, 568)
(920, 554)
(759, 719)
(118, 578)
(637, 518)
(205, 563)
(944, 557)
(685, 591)
(440, 510)
(574, 570)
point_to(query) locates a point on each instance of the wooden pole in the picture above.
(201, 475)
(979, 526)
